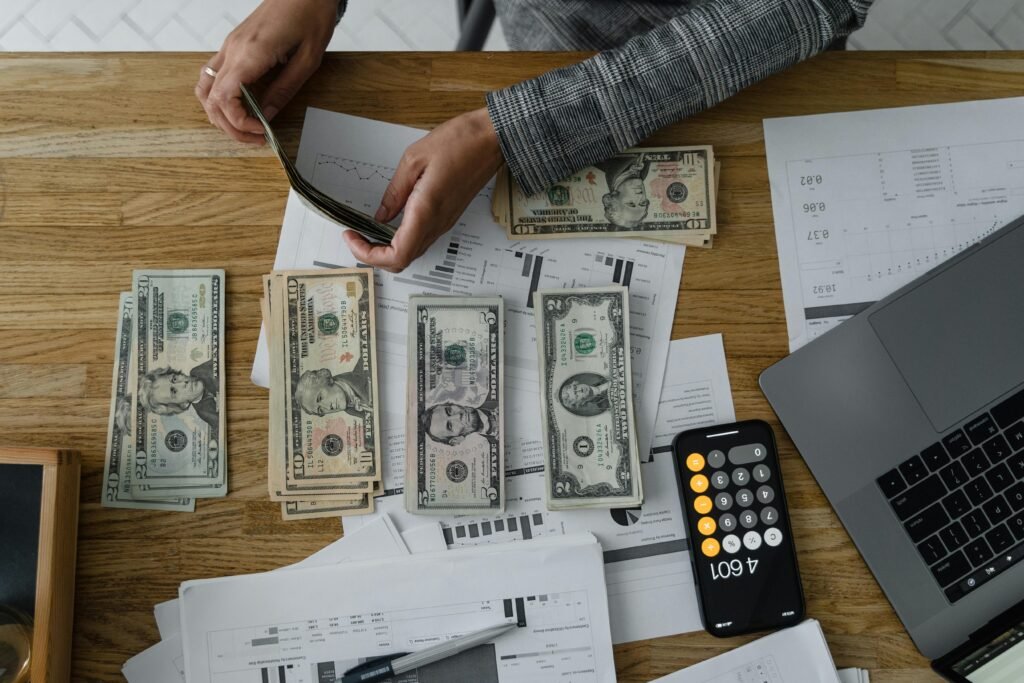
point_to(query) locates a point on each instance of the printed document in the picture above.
(864, 202)
(794, 655)
(164, 662)
(311, 625)
(650, 585)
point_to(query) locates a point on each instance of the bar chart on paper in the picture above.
(869, 201)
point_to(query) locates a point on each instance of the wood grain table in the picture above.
(107, 163)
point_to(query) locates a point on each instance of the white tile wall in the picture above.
(130, 25)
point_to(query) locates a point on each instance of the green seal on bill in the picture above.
(328, 323)
(455, 355)
(584, 343)
(177, 322)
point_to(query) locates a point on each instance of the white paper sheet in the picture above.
(866, 201)
(307, 625)
(793, 655)
(854, 676)
(428, 538)
(162, 663)
(650, 584)
(352, 159)
(377, 540)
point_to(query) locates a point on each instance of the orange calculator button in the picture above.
(706, 526)
(695, 462)
(702, 504)
(710, 547)
(699, 483)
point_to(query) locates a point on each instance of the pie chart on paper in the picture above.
(626, 516)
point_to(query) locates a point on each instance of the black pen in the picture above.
(383, 668)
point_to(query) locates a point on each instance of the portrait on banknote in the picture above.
(319, 392)
(585, 394)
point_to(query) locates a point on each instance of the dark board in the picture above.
(21, 489)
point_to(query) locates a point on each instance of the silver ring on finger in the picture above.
(208, 70)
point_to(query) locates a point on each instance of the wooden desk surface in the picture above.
(107, 163)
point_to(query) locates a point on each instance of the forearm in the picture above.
(552, 126)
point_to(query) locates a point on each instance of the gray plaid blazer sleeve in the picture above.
(554, 125)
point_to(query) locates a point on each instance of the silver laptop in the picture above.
(911, 417)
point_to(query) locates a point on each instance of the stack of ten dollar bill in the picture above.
(324, 450)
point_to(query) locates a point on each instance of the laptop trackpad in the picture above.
(958, 338)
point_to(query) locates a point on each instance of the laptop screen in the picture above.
(999, 661)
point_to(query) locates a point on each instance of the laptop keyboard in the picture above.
(961, 500)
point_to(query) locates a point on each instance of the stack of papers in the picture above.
(312, 622)
(794, 655)
(165, 661)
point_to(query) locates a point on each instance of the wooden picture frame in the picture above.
(55, 568)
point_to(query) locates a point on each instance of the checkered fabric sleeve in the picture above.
(568, 118)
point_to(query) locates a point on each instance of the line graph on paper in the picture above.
(867, 224)
(361, 184)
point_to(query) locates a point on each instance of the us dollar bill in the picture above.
(178, 407)
(313, 509)
(455, 457)
(117, 464)
(327, 376)
(587, 398)
(653, 192)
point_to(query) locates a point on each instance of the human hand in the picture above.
(294, 33)
(435, 181)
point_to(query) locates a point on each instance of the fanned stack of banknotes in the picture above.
(320, 202)
(166, 436)
(324, 451)
(665, 194)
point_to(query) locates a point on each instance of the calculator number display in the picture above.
(731, 569)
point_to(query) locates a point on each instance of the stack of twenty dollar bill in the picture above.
(324, 450)
(166, 437)
(665, 194)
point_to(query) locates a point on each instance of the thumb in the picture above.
(398, 190)
(296, 71)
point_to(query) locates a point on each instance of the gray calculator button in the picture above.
(748, 519)
(740, 477)
(773, 537)
(720, 480)
(752, 540)
(762, 474)
(727, 522)
(747, 454)
(765, 494)
(745, 498)
(769, 515)
(716, 459)
(731, 544)
(723, 501)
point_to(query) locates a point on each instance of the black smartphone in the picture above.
(741, 543)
